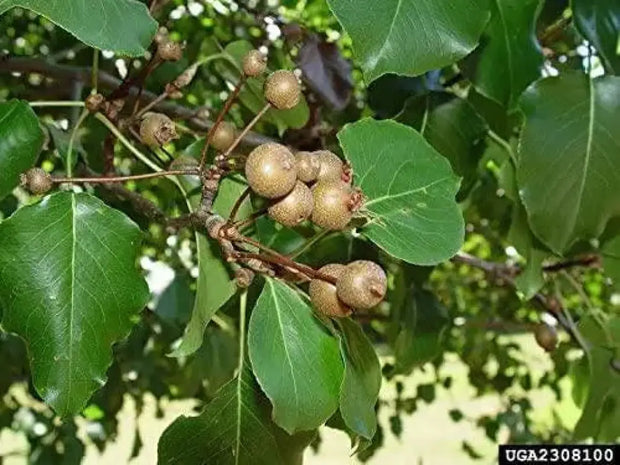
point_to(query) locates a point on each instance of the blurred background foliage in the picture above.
(432, 315)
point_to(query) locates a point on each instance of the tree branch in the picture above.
(109, 82)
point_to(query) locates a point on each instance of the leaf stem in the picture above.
(138, 154)
(243, 302)
(95, 70)
(134, 177)
(247, 129)
(502, 143)
(237, 205)
(74, 132)
(56, 103)
(309, 243)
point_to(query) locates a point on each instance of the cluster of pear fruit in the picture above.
(312, 186)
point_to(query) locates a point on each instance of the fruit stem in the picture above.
(283, 259)
(309, 243)
(219, 119)
(250, 219)
(247, 129)
(237, 205)
(134, 177)
(285, 262)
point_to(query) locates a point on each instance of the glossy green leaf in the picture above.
(600, 418)
(452, 127)
(409, 191)
(599, 22)
(410, 37)
(233, 429)
(20, 142)
(361, 382)
(295, 360)
(123, 26)
(215, 283)
(568, 157)
(509, 57)
(252, 94)
(69, 287)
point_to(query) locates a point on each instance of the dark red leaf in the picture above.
(326, 71)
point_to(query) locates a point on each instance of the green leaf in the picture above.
(295, 360)
(509, 57)
(531, 279)
(252, 94)
(175, 303)
(452, 127)
(215, 283)
(20, 142)
(361, 382)
(122, 26)
(600, 418)
(421, 324)
(69, 287)
(410, 37)
(409, 191)
(568, 157)
(599, 22)
(611, 259)
(233, 429)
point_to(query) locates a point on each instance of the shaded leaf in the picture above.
(123, 26)
(295, 360)
(361, 382)
(611, 259)
(409, 188)
(388, 94)
(410, 37)
(599, 22)
(70, 289)
(452, 127)
(421, 324)
(176, 302)
(326, 71)
(234, 428)
(20, 142)
(509, 57)
(568, 156)
(215, 283)
(600, 418)
(531, 279)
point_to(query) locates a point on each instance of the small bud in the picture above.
(203, 113)
(157, 129)
(244, 277)
(254, 63)
(36, 181)
(173, 92)
(161, 36)
(94, 102)
(185, 77)
(169, 51)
